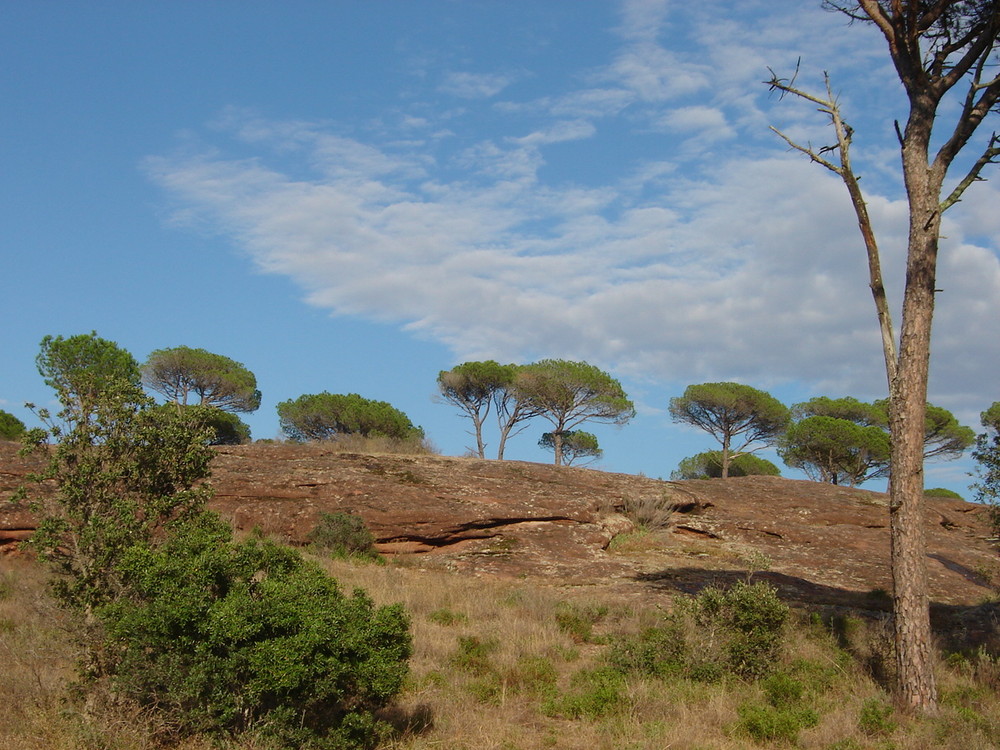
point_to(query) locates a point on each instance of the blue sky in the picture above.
(352, 196)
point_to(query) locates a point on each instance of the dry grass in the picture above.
(496, 691)
(351, 443)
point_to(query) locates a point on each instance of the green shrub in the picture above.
(11, 428)
(224, 638)
(577, 621)
(875, 718)
(942, 492)
(766, 723)
(343, 535)
(748, 619)
(445, 616)
(533, 673)
(782, 690)
(736, 631)
(473, 654)
(593, 693)
(657, 651)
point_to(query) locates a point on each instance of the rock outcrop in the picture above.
(823, 544)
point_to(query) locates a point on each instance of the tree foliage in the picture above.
(81, 368)
(836, 440)
(476, 388)
(944, 438)
(708, 465)
(736, 415)
(860, 412)
(224, 428)
(568, 394)
(987, 456)
(576, 445)
(181, 373)
(324, 416)
(11, 428)
(834, 450)
(990, 418)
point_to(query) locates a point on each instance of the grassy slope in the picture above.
(507, 694)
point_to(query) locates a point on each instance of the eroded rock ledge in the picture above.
(825, 544)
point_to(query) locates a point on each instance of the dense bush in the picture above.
(734, 631)
(225, 638)
(222, 427)
(11, 428)
(343, 535)
(325, 416)
(708, 465)
(942, 492)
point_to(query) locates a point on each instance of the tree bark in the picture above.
(907, 412)
(557, 437)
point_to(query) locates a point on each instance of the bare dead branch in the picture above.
(844, 134)
(808, 151)
(990, 155)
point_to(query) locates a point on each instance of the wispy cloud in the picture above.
(744, 265)
(474, 85)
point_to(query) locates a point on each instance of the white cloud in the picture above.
(746, 265)
(474, 85)
(558, 132)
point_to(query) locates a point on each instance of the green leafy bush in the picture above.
(748, 619)
(766, 723)
(577, 621)
(657, 651)
(445, 616)
(782, 690)
(11, 428)
(875, 718)
(942, 492)
(735, 631)
(225, 638)
(593, 693)
(708, 465)
(343, 535)
(473, 654)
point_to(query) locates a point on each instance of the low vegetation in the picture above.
(527, 666)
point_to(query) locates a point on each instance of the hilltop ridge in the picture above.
(824, 544)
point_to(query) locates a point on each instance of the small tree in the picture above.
(216, 636)
(182, 372)
(324, 416)
(568, 394)
(122, 469)
(476, 388)
(11, 428)
(834, 450)
(575, 445)
(836, 440)
(80, 369)
(708, 465)
(734, 414)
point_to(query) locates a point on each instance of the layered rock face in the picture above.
(823, 544)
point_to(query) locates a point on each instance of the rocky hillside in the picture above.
(825, 544)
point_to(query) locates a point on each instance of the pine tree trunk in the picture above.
(908, 404)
